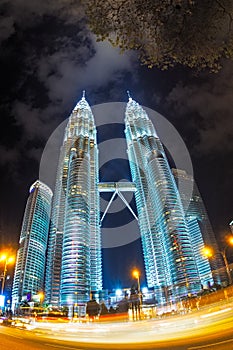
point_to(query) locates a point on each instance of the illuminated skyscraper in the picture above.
(198, 245)
(170, 264)
(74, 266)
(195, 210)
(30, 262)
(231, 226)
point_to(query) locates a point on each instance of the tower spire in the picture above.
(128, 93)
(82, 104)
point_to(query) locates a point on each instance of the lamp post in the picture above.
(208, 252)
(223, 253)
(7, 260)
(136, 275)
(137, 304)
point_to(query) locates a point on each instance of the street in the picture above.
(210, 329)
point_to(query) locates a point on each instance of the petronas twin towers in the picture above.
(74, 249)
(173, 264)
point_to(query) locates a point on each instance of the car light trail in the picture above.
(216, 313)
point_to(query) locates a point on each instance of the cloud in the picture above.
(206, 107)
(35, 127)
(18, 16)
(57, 58)
(70, 75)
(6, 28)
(27, 13)
(8, 156)
(37, 123)
(63, 75)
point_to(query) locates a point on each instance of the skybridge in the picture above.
(117, 188)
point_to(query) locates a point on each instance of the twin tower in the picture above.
(172, 243)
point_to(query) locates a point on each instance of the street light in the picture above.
(7, 260)
(208, 252)
(41, 297)
(136, 275)
(137, 306)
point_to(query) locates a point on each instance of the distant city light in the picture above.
(144, 290)
(118, 292)
(2, 300)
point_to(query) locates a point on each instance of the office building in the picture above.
(195, 210)
(30, 261)
(74, 265)
(170, 263)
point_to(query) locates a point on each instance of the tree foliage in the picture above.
(165, 32)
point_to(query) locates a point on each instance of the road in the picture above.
(207, 329)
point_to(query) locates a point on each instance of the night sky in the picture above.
(47, 57)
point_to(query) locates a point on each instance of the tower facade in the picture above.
(168, 254)
(198, 245)
(74, 266)
(196, 211)
(30, 262)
